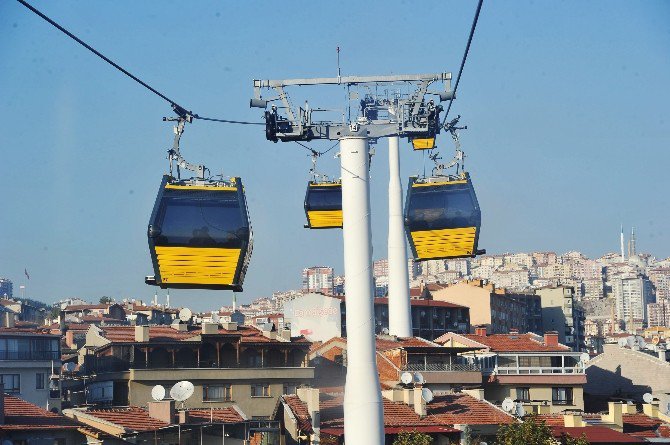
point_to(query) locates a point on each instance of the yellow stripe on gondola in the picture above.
(423, 144)
(326, 184)
(432, 184)
(444, 243)
(208, 188)
(197, 265)
(323, 219)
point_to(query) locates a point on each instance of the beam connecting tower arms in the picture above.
(400, 109)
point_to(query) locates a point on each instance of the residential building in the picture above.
(78, 312)
(594, 288)
(317, 279)
(660, 278)
(28, 359)
(499, 309)
(380, 268)
(659, 313)
(23, 423)
(312, 416)
(562, 313)
(632, 294)
(537, 371)
(6, 288)
(321, 317)
(228, 365)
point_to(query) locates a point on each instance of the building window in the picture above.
(260, 390)
(217, 393)
(290, 388)
(40, 378)
(11, 382)
(523, 394)
(561, 396)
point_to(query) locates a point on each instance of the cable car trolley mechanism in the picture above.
(199, 233)
(442, 214)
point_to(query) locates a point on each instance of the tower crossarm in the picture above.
(415, 116)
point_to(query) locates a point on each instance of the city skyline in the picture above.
(547, 177)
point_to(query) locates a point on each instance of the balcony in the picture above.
(30, 355)
(454, 373)
(538, 370)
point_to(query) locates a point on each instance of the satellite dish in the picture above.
(641, 343)
(622, 342)
(185, 314)
(585, 357)
(648, 398)
(69, 367)
(158, 393)
(181, 391)
(407, 378)
(520, 410)
(427, 395)
(631, 341)
(655, 339)
(215, 317)
(418, 378)
(508, 405)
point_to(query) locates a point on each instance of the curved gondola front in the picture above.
(442, 217)
(323, 205)
(199, 234)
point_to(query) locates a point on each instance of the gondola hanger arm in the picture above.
(174, 155)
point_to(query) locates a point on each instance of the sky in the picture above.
(565, 103)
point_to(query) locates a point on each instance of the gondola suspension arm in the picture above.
(174, 155)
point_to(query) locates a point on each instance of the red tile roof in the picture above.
(464, 409)
(419, 302)
(516, 343)
(596, 434)
(22, 415)
(26, 331)
(82, 307)
(138, 419)
(640, 425)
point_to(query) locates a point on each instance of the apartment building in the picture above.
(534, 370)
(317, 279)
(659, 314)
(562, 313)
(29, 358)
(632, 295)
(498, 309)
(227, 364)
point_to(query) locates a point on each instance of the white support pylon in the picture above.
(400, 312)
(363, 409)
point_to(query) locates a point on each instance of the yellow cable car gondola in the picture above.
(199, 232)
(442, 217)
(323, 205)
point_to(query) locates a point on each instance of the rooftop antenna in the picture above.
(158, 393)
(648, 398)
(185, 315)
(181, 391)
(339, 74)
(508, 405)
(406, 378)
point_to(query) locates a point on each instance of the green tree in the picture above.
(412, 438)
(106, 300)
(568, 440)
(529, 432)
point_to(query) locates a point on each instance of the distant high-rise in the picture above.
(6, 288)
(631, 243)
(632, 294)
(318, 279)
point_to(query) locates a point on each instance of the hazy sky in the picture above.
(566, 104)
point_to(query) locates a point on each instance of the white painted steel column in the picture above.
(363, 409)
(400, 313)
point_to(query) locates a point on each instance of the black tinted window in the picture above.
(327, 198)
(442, 207)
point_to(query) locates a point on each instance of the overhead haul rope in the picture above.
(465, 57)
(181, 111)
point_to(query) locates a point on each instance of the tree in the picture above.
(106, 300)
(529, 432)
(412, 438)
(569, 440)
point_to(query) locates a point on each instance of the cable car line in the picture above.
(465, 57)
(181, 111)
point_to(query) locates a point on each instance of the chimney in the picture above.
(544, 409)
(141, 334)
(210, 328)
(182, 417)
(419, 403)
(650, 410)
(480, 330)
(69, 340)
(551, 338)
(615, 414)
(230, 326)
(162, 410)
(572, 420)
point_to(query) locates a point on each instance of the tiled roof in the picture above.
(22, 415)
(516, 343)
(596, 434)
(82, 307)
(419, 302)
(442, 413)
(25, 331)
(640, 425)
(138, 419)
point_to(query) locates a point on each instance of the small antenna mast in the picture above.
(339, 74)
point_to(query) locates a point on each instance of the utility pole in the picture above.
(363, 408)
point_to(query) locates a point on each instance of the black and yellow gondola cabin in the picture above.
(442, 218)
(323, 205)
(199, 234)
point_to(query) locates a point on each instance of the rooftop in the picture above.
(528, 342)
(22, 415)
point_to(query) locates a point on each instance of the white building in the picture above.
(632, 294)
(318, 279)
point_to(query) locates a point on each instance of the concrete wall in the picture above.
(28, 372)
(497, 393)
(478, 299)
(626, 373)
